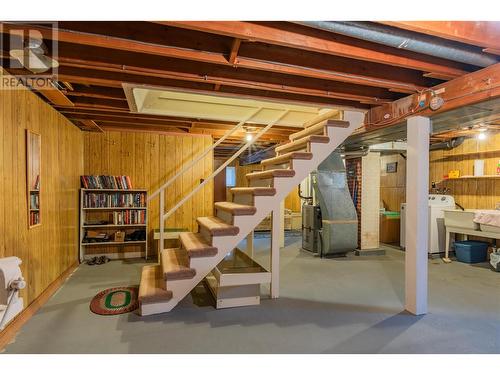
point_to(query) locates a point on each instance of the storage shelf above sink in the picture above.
(471, 178)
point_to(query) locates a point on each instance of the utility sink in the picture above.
(460, 219)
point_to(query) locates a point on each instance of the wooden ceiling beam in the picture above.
(265, 33)
(186, 121)
(128, 122)
(81, 101)
(90, 125)
(472, 88)
(54, 95)
(234, 51)
(95, 67)
(251, 91)
(97, 92)
(103, 41)
(132, 119)
(145, 128)
(478, 33)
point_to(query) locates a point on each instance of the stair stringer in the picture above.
(247, 223)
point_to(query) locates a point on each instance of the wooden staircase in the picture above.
(164, 285)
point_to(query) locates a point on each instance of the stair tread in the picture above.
(271, 173)
(217, 227)
(152, 287)
(318, 128)
(175, 264)
(256, 191)
(196, 246)
(299, 155)
(332, 122)
(236, 208)
(302, 141)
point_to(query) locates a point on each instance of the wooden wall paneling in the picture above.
(392, 185)
(187, 178)
(150, 160)
(47, 250)
(221, 194)
(473, 193)
(208, 169)
(169, 151)
(155, 182)
(197, 208)
(179, 190)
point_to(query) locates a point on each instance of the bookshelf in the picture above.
(103, 212)
(33, 171)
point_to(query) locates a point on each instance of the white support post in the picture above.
(162, 224)
(250, 244)
(275, 251)
(282, 223)
(417, 214)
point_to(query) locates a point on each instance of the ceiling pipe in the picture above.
(406, 40)
(355, 154)
(448, 145)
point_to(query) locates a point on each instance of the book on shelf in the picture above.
(106, 182)
(111, 200)
(34, 218)
(36, 186)
(34, 202)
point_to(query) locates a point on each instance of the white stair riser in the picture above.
(286, 165)
(247, 199)
(207, 236)
(225, 216)
(261, 182)
(304, 148)
(312, 131)
(182, 287)
(157, 307)
(198, 263)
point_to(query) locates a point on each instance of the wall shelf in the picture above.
(113, 208)
(112, 243)
(113, 225)
(116, 190)
(486, 177)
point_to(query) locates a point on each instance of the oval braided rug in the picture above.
(114, 301)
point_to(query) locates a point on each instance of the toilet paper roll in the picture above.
(478, 167)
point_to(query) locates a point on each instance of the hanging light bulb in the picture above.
(481, 136)
(248, 137)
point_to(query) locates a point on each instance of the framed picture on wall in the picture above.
(391, 167)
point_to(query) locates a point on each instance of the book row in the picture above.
(106, 182)
(100, 200)
(129, 217)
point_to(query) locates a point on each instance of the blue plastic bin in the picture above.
(471, 251)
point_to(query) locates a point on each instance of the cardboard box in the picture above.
(119, 236)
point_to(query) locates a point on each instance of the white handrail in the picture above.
(205, 152)
(229, 161)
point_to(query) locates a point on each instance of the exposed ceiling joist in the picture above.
(145, 72)
(234, 51)
(267, 34)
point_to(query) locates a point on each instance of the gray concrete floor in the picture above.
(343, 305)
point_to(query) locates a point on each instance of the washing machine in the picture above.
(437, 232)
